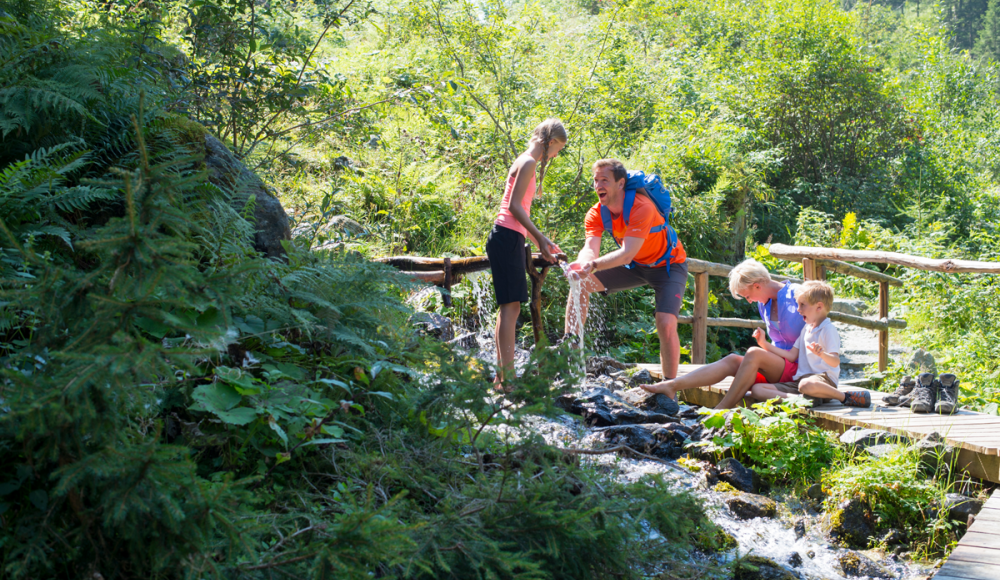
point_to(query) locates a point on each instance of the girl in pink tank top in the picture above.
(505, 245)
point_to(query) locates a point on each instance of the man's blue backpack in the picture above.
(661, 199)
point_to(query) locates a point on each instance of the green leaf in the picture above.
(154, 328)
(715, 421)
(39, 499)
(277, 429)
(217, 396)
(238, 416)
(323, 441)
(238, 379)
(382, 394)
(210, 319)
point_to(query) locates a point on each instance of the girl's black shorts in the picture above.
(505, 249)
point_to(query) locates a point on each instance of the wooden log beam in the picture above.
(696, 266)
(731, 322)
(458, 265)
(797, 253)
(869, 323)
(437, 278)
(859, 272)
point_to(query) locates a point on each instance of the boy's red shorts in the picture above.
(786, 374)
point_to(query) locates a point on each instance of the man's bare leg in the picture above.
(755, 359)
(670, 343)
(700, 377)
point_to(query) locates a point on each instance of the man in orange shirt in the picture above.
(639, 261)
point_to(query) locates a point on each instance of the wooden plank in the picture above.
(809, 269)
(964, 569)
(700, 331)
(978, 540)
(799, 253)
(970, 554)
(985, 526)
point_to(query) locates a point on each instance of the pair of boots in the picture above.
(926, 394)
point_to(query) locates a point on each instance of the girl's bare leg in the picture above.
(756, 359)
(701, 377)
(505, 337)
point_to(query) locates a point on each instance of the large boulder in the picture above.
(227, 172)
(960, 507)
(935, 453)
(735, 474)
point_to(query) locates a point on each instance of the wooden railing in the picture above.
(816, 262)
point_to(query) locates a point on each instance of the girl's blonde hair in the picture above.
(745, 274)
(546, 132)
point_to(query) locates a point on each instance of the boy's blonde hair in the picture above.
(746, 274)
(815, 291)
(546, 132)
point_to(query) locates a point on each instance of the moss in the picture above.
(757, 568)
(185, 132)
(714, 539)
(691, 465)
(724, 487)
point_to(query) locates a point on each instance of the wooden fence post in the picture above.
(700, 334)
(447, 282)
(537, 278)
(883, 335)
(808, 269)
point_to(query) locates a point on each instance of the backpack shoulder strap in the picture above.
(627, 206)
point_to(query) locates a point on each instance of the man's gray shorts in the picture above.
(669, 288)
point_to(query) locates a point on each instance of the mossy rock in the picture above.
(759, 568)
(189, 134)
(725, 487)
(852, 524)
(713, 539)
(857, 565)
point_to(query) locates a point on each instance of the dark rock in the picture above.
(649, 439)
(433, 324)
(732, 472)
(604, 365)
(815, 492)
(228, 173)
(859, 565)
(852, 523)
(652, 402)
(811, 554)
(760, 485)
(795, 560)
(709, 477)
(747, 506)
(689, 413)
(758, 568)
(601, 407)
(859, 437)
(894, 537)
(643, 377)
(934, 452)
(800, 529)
(960, 507)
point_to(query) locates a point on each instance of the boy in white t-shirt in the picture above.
(817, 351)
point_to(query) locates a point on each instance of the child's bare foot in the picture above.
(664, 388)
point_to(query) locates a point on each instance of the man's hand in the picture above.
(579, 270)
(758, 335)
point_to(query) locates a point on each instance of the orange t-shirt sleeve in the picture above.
(592, 223)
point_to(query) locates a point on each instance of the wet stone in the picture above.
(604, 365)
(894, 537)
(651, 402)
(858, 565)
(960, 507)
(795, 560)
(758, 568)
(642, 377)
(852, 524)
(747, 506)
(734, 473)
(815, 492)
(800, 529)
(649, 439)
(433, 324)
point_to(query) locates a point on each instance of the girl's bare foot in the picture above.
(664, 388)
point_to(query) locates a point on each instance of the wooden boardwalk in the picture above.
(977, 556)
(975, 436)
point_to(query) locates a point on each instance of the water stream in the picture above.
(775, 538)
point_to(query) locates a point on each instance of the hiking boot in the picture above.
(857, 399)
(947, 394)
(924, 394)
(905, 387)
